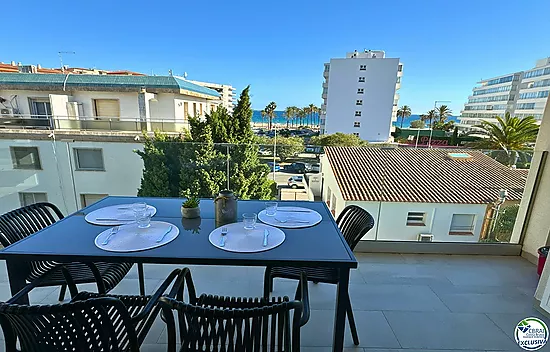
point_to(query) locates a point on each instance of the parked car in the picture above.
(296, 182)
(316, 168)
(299, 168)
(274, 167)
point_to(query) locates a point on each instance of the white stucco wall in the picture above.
(168, 106)
(391, 218)
(379, 92)
(122, 175)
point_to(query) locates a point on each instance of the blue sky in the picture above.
(279, 47)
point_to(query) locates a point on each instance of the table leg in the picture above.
(340, 311)
(17, 276)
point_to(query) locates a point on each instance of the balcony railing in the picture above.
(49, 168)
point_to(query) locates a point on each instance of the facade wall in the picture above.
(59, 178)
(377, 99)
(391, 218)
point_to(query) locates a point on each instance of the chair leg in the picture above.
(62, 293)
(352, 326)
(141, 279)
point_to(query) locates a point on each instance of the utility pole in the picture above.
(431, 127)
(60, 53)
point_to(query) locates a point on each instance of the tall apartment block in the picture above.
(522, 93)
(225, 90)
(359, 95)
(534, 90)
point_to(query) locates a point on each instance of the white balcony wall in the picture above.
(59, 178)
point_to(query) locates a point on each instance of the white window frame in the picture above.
(356, 124)
(361, 79)
(77, 165)
(356, 134)
(34, 195)
(463, 230)
(416, 218)
(357, 113)
(362, 67)
(360, 90)
(359, 102)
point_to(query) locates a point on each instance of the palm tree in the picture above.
(443, 112)
(431, 115)
(312, 109)
(290, 112)
(264, 114)
(270, 113)
(509, 134)
(302, 114)
(403, 112)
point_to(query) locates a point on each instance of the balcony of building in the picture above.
(439, 255)
(469, 302)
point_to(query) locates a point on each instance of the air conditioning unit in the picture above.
(6, 112)
(425, 237)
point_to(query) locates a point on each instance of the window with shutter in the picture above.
(107, 107)
(415, 218)
(89, 159)
(28, 198)
(462, 224)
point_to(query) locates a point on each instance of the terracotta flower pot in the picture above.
(190, 213)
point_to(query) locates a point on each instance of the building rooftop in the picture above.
(422, 175)
(93, 82)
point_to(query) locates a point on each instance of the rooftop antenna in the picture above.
(60, 53)
(185, 75)
(169, 72)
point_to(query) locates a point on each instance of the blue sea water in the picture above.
(280, 118)
(407, 121)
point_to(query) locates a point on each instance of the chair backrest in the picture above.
(214, 325)
(23, 222)
(354, 222)
(100, 324)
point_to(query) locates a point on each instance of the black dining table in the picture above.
(72, 240)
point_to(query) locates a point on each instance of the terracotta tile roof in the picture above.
(125, 72)
(421, 176)
(8, 68)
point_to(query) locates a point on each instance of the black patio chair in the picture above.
(91, 322)
(354, 222)
(25, 221)
(217, 323)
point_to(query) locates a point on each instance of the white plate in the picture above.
(130, 238)
(238, 239)
(120, 214)
(291, 217)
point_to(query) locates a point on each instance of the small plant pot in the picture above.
(190, 213)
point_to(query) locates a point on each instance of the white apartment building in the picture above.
(522, 93)
(226, 91)
(359, 95)
(101, 102)
(71, 169)
(534, 90)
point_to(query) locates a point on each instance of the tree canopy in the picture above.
(337, 139)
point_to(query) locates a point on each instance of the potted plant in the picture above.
(190, 208)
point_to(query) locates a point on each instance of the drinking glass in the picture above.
(270, 208)
(249, 220)
(142, 214)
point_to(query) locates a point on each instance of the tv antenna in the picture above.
(60, 53)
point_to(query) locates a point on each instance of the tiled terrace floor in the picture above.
(401, 302)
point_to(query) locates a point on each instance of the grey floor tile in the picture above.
(402, 274)
(36, 296)
(486, 303)
(508, 322)
(440, 330)
(157, 333)
(443, 289)
(131, 286)
(395, 297)
(153, 347)
(372, 328)
(379, 258)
